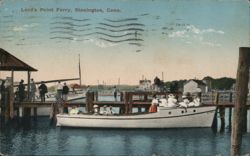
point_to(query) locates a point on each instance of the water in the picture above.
(31, 137)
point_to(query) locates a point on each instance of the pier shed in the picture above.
(8, 62)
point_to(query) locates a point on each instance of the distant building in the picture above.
(145, 85)
(194, 86)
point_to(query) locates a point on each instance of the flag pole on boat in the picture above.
(80, 74)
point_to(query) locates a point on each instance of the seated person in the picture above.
(185, 102)
(96, 110)
(104, 111)
(110, 111)
(154, 103)
(172, 102)
(163, 102)
(197, 101)
(74, 110)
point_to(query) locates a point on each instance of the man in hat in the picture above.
(21, 91)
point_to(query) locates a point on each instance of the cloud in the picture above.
(19, 28)
(181, 33)
(191, 34)
(24, 27)
(211, 44)
(196, 30)
(193, 30)
(101, 44)
(32, 25)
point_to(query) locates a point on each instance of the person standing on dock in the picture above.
(59, 88)
(2, 91)
(32, 90)
(42, 90)
(65, 92)
(21, 91)
(115, 93)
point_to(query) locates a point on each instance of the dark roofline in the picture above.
(24, 67)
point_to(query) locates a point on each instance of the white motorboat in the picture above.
(165, 118)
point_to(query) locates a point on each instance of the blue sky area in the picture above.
(125, 38)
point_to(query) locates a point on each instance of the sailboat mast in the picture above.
(80, 74)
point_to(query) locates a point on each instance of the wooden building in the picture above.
(10, 63)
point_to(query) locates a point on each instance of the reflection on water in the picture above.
(39, 138)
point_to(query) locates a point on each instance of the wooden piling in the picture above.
(130, 103)
(121, 96)
(96, 96)
(90, 97)
(7, 105)
(126, 102)
(216, 102)
(230, 113)
(241, 98)
(11, 96)
(222, 118)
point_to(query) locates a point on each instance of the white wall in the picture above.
(190, 87)
(193, 87)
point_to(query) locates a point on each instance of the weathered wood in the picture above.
(96, 96)
(130, 103)
(7, 104)
(222, 118)
(230, 113)
(90, 101)
(121, 96)
(216, 101)
(28, 87)
(241, 98)
(11, 97)
(126, 102)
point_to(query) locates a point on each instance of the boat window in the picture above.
(169, 113)
(182, 112)
(194, 110)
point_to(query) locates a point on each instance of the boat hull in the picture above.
(164, 118)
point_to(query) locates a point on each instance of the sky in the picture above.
(125, 39)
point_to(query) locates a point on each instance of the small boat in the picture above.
(178, 117)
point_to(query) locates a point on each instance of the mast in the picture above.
(80, 74)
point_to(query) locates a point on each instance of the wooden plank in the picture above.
(241, 99)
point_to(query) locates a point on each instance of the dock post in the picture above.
(230, 112)
(7, 105)
(130, 103)
(121, 96)
(222, 118)
(20, 112)
(216, 101)
(126, 102)
(239, 114)
(145, 97)
(96, 96)
(11, 96)
(35, 112)
(89, 101)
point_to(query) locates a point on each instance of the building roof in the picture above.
(199, 82)
(9, 62)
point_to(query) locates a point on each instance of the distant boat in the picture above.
(165, 118)
(72, 96)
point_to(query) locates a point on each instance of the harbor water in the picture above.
(38, 136)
